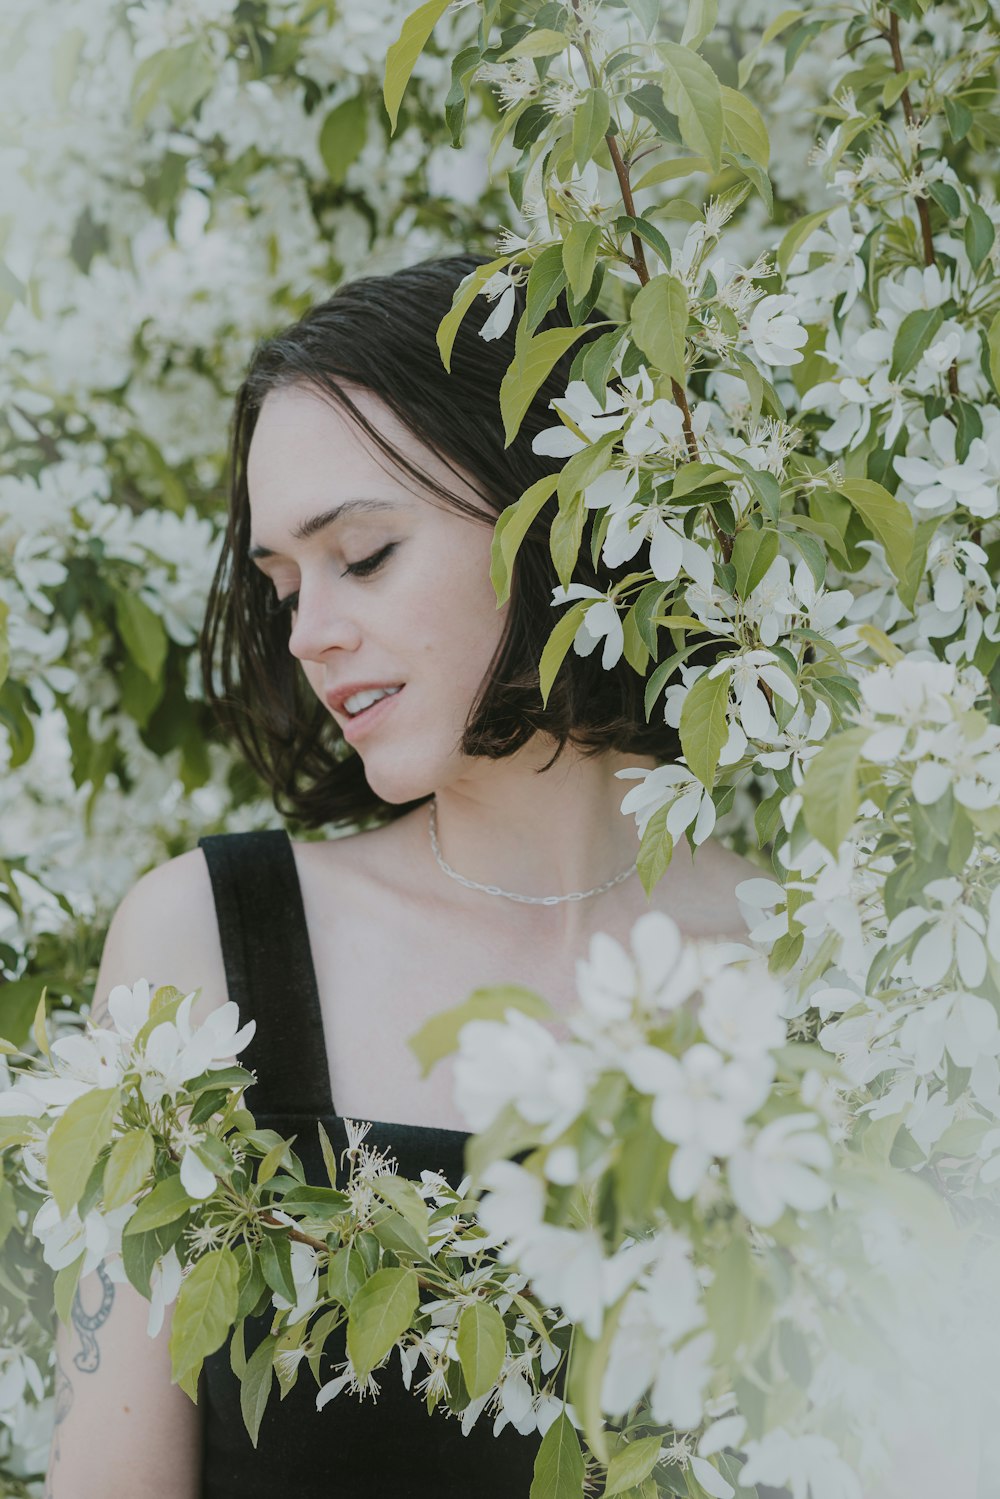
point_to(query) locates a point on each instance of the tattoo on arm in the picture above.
(88, 1359)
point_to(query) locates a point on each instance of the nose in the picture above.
(320, 623)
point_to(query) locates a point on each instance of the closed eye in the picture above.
(362, 569)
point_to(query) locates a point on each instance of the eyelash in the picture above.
(362, 569)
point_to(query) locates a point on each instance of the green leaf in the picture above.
(255, 1385)
(704, 725)
(462, 299)
(179, 76)
(646, 13)
(538, 42)
(656, 850)
(744, 127)
(343, 136)
(692, 92)
(580, 255)
(631, 1464)
(753, 553)
(959, 117)
(4, 640)
(979, 235)
(830, 788)
(914, 336)
(510, 530)
(129, 1164)
(76, 1140)
(402, 55)
(755, 174)
(667, 171)
(993, 340)
(38, 1031)
(794, 238)
(533, 360)
(659, 316)
(559, 1467)
(140, 1253)
(404, 1197)
(379, 1314)
(590, 125)
(64, 1289)
(438, 1036)
(346, 1274)
(887, 518)
(481, 1343)
(205, 1311)
(167, 1201)
(701, 17)
(143, 633)
(329, 1157)
(276, 1263)
(917, 566)
(558, 644)
(565, 537)
(649, 104)
(546, 280)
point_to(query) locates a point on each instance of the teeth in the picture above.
(361, 700)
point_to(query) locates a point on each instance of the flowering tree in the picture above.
(790, 427)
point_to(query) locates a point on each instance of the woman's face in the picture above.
(385, 589)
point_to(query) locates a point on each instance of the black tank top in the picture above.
(390, 1448)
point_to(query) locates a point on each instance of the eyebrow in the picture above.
(324, 518)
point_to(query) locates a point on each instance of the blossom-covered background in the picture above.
(181, 179)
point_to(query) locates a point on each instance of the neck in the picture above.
(535, 833)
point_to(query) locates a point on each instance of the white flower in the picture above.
(176, 1051)
(701, 1104)
(751, 669)
(964, 1025)
(584, 412)
(658, 974)
(97, 1237)
(600, 622)
(954, 932)
(741, 1011)
(776, 334)
(942, 482)
(652, 1347)
(165, 1282)
(778, 1169)
(500, 288)
(690, 803)
(517, 1061)
(809, 1465)
(669, 548)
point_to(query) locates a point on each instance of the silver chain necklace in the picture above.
(530, 900)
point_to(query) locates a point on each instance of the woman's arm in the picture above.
(121, 1428)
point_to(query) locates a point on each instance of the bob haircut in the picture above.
(378, 332)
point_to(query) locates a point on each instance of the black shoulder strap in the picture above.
(269, 969)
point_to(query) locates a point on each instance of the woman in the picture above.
(370, 678)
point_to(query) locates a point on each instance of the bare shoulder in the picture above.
(380, 856)
(165, 931)
(700, 893)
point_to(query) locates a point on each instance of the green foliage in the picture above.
(380, 1312)
(403, 53)
(76, 1141)
(205, 1311)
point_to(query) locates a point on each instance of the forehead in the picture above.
(304, 444)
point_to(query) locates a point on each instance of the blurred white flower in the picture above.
(780, 1168)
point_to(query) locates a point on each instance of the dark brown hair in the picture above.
(378, 332)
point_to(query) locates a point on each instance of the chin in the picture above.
(398, 784)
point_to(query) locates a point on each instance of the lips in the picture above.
(354, 727)
(337, 697)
